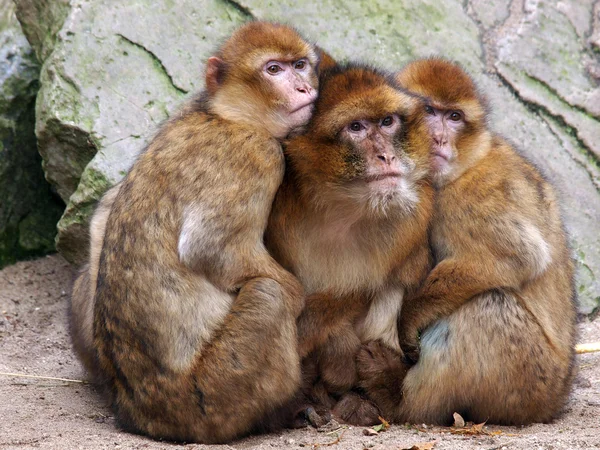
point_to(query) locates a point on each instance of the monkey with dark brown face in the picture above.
(496, 316)
(194, 323)
(350, 221)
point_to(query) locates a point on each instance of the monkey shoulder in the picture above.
(503, 207)
(201, 151)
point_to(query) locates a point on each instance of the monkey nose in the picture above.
(387, 159)
(304, 89)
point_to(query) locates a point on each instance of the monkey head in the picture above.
(265, 75)
(454, 114)
(357, 154)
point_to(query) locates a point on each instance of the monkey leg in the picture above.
(489, 361)
(337, 367)
(249, 369)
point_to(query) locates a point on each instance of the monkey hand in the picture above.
(409, 344)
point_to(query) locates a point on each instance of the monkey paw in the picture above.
(411, 352)
(409, 344)
(381, 372)
(356, 410)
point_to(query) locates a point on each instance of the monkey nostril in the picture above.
(302, 90)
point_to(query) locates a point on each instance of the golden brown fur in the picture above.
(186, 294)
(497, 313)
(356, 249)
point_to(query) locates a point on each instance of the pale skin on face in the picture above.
(376, 140)
(290, 87)
(444, 126)
(290, 79)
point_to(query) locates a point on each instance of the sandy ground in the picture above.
(53, 414)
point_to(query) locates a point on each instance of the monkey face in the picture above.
(454, 115)
(376, 171)
(445, 127)
(293, 86)
(356, 148)
(264, 76)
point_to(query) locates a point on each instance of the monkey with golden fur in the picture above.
(350, 222)
(496, 316)
(193, 322)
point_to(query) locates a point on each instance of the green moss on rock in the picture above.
(29, 210)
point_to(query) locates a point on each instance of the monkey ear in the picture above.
(215, 71)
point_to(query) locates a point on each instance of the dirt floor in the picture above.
(55, 414)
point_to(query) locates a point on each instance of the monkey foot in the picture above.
(356, 410)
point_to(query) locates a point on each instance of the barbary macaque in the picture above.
(493, 328)
(193, 322)
(350, 221)
(82, 298)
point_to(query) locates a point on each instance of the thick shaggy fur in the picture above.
(186, 294)
(497, 314)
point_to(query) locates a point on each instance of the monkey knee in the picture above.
(267, 293)
(337, 361)
(340, 375)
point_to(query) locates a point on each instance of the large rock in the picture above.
(116, 70)
(28, 210)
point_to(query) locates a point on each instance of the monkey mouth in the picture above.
(382, 176)
(301, 107)
(439, 162)
(440, 155)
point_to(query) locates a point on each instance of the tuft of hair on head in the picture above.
(351, 91)
(446, 85)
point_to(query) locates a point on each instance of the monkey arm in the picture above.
(449, 285)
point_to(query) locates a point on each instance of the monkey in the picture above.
(350, 222)
(497, 314)
(186, 295)
(81, 304)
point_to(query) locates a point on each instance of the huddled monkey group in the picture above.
(306, 239)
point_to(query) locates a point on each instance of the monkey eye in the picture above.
(300, 65)
(429, 109)
(455, 116)
(274, 69)
(356, 126)
(388, 121)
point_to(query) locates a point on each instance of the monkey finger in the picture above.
(411, 353)
(314, 418)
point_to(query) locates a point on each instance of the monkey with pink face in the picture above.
(181, 295)
(491, 332)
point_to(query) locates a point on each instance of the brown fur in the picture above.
(355, 256)
(81, 306)
(497, 313)
(186, 294)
